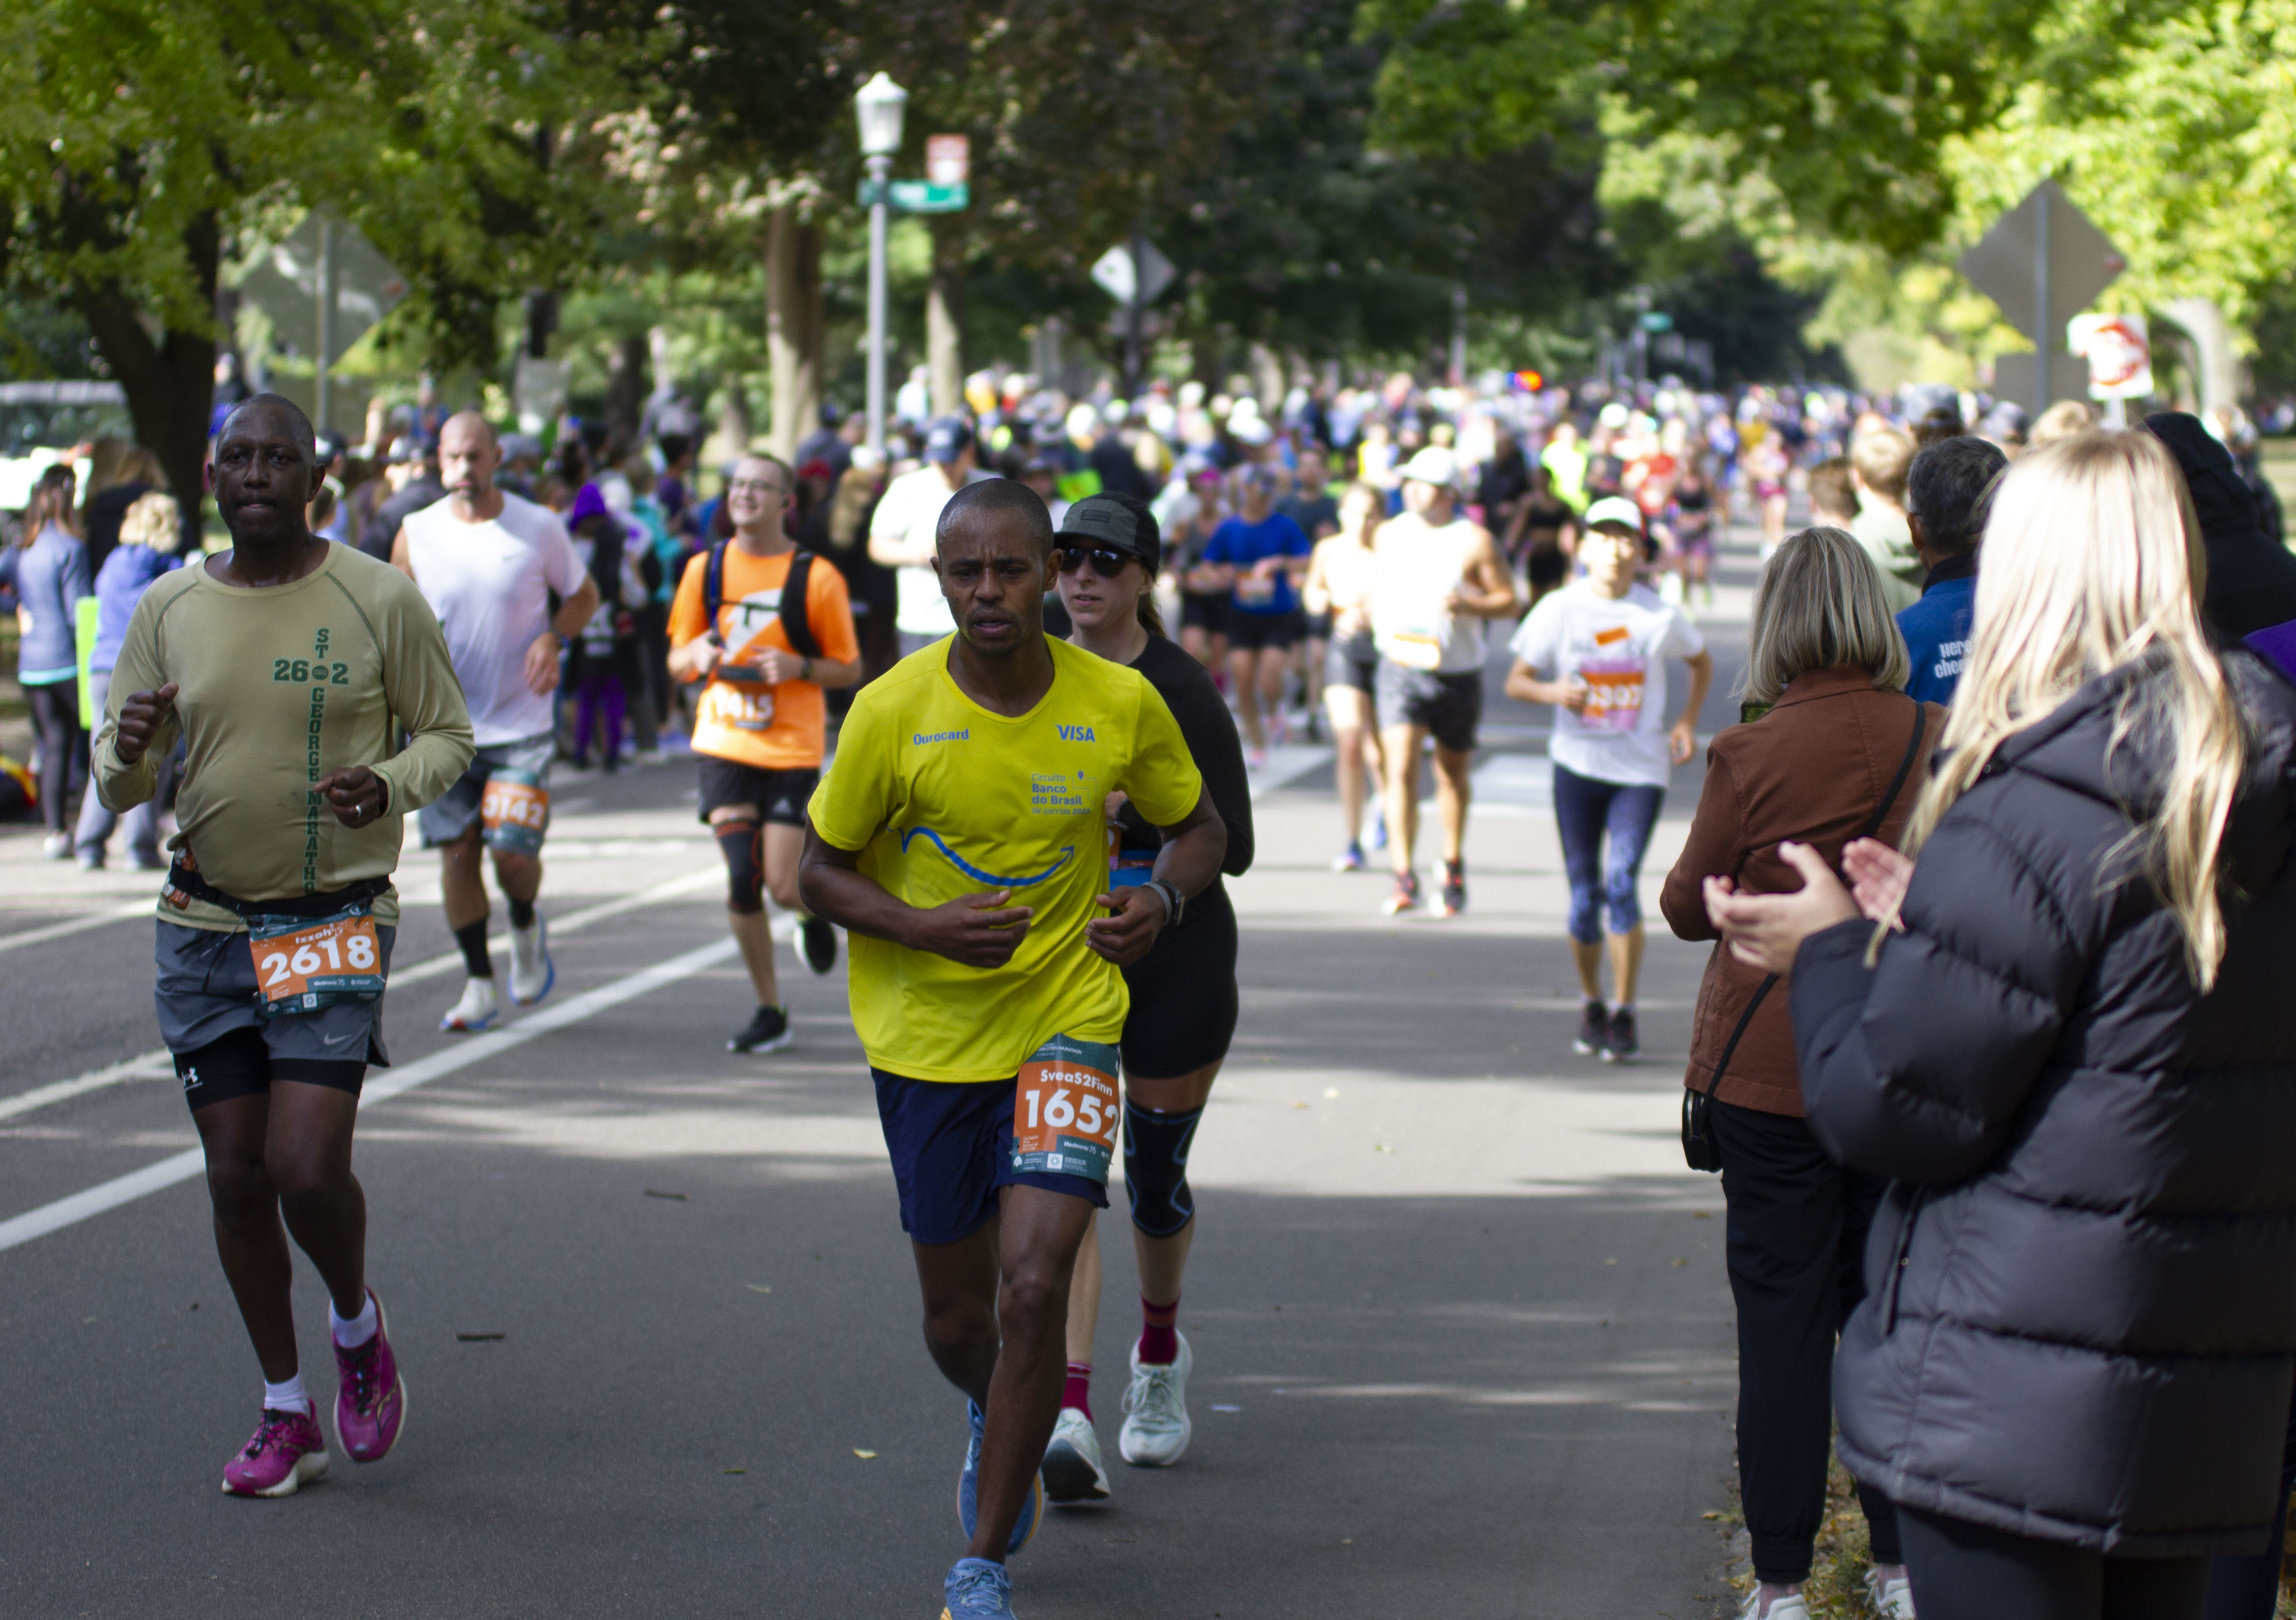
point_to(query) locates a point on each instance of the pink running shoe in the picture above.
(288, 1450)
(371, 1404)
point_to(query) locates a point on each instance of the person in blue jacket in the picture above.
(148, 532)
(48, 568)
(1948, 491)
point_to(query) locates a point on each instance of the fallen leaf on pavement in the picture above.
(760, 1288)
(682, 1198)
(864, 1456)
(479, 1338)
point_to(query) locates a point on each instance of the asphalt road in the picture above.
(1463, 1338)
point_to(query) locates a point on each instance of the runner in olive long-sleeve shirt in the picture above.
(289, 666)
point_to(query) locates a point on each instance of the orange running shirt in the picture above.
(774, 728)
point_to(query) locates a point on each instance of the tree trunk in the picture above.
(625, 392)
(793, 325)
(945, 316)
(171, 382)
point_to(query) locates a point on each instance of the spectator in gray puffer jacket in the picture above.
(2070, 1048)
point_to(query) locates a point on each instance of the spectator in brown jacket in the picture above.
(1834, 733)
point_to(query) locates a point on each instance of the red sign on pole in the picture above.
(948, 160)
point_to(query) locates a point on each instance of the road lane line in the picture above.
(391, 1083)
(77, 925)
(158, 1066)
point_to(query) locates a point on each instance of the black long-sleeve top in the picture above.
(1210, 731)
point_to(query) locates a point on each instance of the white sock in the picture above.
(288, 1396)
(351, 1332)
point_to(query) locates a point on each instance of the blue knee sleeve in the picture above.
(1156, 1168)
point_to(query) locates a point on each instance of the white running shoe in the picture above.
(531, 970)
(476, 1009)
(1893, 1599)
(1071, 1469)
(1156, 1432)
(1793, 1606)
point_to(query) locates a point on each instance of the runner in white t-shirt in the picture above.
(1597, 651)
(901, 533)
(487, 563)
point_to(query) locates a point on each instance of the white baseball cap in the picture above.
(1615, 508)
(1433, 466)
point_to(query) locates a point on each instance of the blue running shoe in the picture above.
(968, 1491)
(977, 1590)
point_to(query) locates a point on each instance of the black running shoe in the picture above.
(1451, 898)
(769, 1031)
(817, 942)
(1594, 1030)
(1620, 1043)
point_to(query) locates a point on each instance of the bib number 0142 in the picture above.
(1065, 1110)
(302, 965)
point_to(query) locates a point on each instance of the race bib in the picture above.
(1414, 649)
(1614, 693)
(515, 811)
(1251, 591)
(743, 708)
(1065, 1110)
(301, 965)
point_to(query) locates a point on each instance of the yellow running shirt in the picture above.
(943, 797)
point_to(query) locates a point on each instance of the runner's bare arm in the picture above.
(401, 558)
(1487, 589)
(773, 667)
(1189, 860)
(978, 930)
(542, 656)
(1524, 686)
(1682, 739)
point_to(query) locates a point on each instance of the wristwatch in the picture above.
(1175, 902)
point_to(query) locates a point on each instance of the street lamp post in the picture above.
(880, 104)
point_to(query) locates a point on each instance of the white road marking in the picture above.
(159, 1066)
(77, 925)
(1285, 764)
(191, 1162)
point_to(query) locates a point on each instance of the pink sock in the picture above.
(1078, 1391)
(1160, 1340)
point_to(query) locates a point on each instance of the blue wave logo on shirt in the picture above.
(1068, 852)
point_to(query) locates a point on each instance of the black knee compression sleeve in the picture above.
(1156, 1168)
(745, 871)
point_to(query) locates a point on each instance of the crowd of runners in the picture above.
(1002, 732)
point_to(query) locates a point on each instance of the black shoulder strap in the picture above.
(1872, 825)
(713, 590)
(795, 623)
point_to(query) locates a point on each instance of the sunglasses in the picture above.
(1106, 563)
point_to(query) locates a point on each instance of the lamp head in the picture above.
(881, 103)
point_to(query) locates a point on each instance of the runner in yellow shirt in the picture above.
(960, 837)
(762, 723)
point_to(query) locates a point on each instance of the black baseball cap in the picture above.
(1120, 522)
(947, 440)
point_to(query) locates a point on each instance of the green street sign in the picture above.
(1655, 320)
(919, 196)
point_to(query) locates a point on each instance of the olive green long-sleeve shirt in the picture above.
(277, 686)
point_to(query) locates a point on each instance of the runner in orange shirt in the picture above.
(761, 725)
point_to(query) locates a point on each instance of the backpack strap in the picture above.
(797, 624)
(713, 590)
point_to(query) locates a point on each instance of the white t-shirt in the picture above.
(1619, 647)
(909, 512)
(489, 583)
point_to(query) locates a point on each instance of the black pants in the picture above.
(2247, 1587)
(1796, 1246)
(55, 716)
(1962, 1571)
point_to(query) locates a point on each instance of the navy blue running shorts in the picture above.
(952, 1148)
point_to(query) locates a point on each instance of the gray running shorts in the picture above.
(452, 814)
(206, 988)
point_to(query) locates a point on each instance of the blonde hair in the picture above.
(153, 520)
(1882, 459)
(2059, 422)
(2092, 562)
(1819, 605)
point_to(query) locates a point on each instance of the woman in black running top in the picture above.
(1184, 998)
